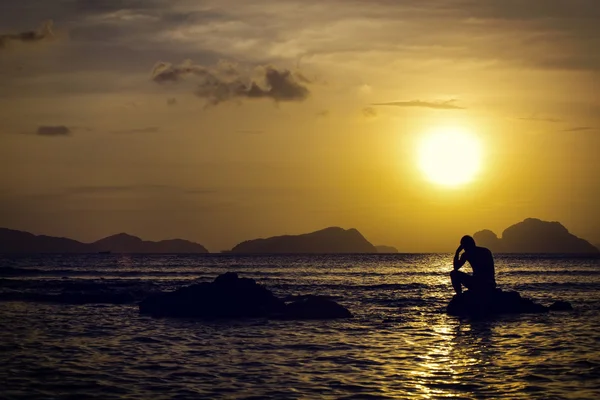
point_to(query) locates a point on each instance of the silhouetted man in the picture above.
(482, 263)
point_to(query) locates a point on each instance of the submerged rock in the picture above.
(561, 306)
(230, 296)
(315, 307)
(497, 302)
(227, 297)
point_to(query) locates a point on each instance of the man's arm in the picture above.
(459, 260)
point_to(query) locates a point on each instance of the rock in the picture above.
(315, 307)
(227, 297)
(561, 306)
(497, 302)
(327, 241)
(230, 296)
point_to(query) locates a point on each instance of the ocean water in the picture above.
(400, 344)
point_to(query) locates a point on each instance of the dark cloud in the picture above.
(579, 129)
(226, 82)
(44, 32)
(172, 101)
(533, 10)
(323, 113)
(151, 129)
(369, 112)
(167, 72)
(58, 130)
(444, 105)
(563, 34)
(104, 6)
(281, 85)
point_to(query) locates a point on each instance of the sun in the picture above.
(450, 156)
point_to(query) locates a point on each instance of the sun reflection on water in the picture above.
(401, 344)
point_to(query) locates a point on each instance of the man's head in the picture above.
(467, 242)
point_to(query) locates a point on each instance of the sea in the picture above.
(400, 344)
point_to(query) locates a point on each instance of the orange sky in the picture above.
(220, 121)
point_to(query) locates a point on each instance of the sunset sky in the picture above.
(219, 121)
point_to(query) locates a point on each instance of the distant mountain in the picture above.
(124, 243)
(535, 236)
(326, 241)
(12, 241)
(386, 249)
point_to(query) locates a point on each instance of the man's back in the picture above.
(482, 262)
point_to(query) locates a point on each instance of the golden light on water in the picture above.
(449, 156)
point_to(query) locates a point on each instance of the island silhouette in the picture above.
(386, 249)
(535, 236)
(529, 236)
(329, 240)
(13, 241)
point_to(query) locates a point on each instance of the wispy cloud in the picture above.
(110, 189)
(226, 82)
(44, 32)
(57, 130)
(128, 189)
(579, 129)
(441, 105)
(251, 131)
(151, 129)
(369, 112)
(538, 119)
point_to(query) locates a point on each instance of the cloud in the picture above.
(535, 119)
(579, 129)
(226, 82)
(251, 131)
(147, 189)
(151, 129)
(281, 85)
(85, 190)
(369, 112)
(58, 130)
(172, 101)
(323, 113)
(200, 191)
(44, 32)
(442, 105)
(167, 72)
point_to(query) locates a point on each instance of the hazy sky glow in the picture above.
(220, 121)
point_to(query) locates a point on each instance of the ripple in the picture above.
(400, 345)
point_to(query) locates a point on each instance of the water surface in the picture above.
(400, 344)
